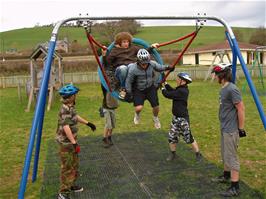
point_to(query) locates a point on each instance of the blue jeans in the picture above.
(121, 75)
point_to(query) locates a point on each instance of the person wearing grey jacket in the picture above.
(140, 85)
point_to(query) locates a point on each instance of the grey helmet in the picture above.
(143, 56)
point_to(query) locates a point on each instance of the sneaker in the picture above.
(63, 196)
(122, 94)
(171, 157)
(101, 112)
(76, 188)
(110, 141)
(230, 192)
(136, 118)
(106, 143)
(221, 179)
(157, 123)
(198, 157)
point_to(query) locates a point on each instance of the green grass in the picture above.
(28, 38)
(203, 105)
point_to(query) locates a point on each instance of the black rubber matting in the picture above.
(136, 167)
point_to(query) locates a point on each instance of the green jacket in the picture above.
(66, 116)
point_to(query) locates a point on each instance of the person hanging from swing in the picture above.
(123, 50)
(140, 85)
(119, 58)
(117, 61)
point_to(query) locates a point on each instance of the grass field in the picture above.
(15, 127)
(28, 38)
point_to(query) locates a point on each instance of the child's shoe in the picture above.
(110, 141)
(136, 118)
(122, 93)
(76, 188)
(63, 196)
(157, 123)
(106, 143)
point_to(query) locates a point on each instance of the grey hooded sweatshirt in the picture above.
(140, 78)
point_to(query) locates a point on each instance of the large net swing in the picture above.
(107, 78)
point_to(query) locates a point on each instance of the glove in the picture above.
(92, 126)
(161, 86)
(129, 97)
(76, 148)
(170, 68)
(242, 133)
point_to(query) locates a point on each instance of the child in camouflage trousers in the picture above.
(180, 125)
(67, 138)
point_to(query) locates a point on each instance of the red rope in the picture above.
(194, 34)
(176, 40)
(91, 42)
(97, 43)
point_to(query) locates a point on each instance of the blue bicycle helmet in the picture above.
(68, 90)
(185, 76)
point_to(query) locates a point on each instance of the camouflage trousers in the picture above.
(180, 127)
(69, 167)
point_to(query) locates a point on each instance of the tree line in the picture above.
(257, 38)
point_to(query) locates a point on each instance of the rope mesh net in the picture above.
(135, 167)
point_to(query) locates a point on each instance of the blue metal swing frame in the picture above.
(37, 122)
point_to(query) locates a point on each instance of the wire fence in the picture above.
(92, 77)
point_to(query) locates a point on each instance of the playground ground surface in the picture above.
(136, 163)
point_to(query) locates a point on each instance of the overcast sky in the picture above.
(17, 14)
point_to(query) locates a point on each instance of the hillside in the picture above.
(26, 39)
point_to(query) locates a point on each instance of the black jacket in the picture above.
(179, 95)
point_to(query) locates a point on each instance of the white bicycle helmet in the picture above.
(143, 56)
(221, 67)
(185, 76)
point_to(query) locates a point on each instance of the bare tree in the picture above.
(258, 37)
(109, 29)
(239, 35)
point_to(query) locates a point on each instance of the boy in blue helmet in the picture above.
(180, 122)
(66, 136)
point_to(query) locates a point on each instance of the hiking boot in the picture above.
(198, 157)
(230, 192)
(171, 157)
(136, 118)
(122, 94)
(110, 141)
(63, 196)
(221, 179)
(157, 123)
(106, 143)
(101, 112)
(76, 188)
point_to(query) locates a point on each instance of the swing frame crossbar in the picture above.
(37, 123)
